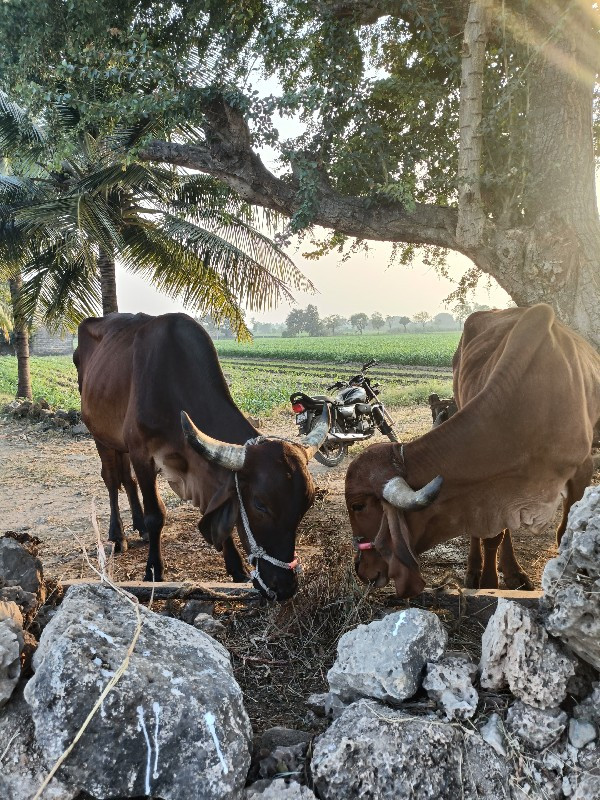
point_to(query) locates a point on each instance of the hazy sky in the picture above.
(364, 283)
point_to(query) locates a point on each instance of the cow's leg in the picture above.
(130, 484)
(489, 573)
(111, 475)
(233, 562)
(474, 563)
(515, 576)
(154, 516)
(575, 489)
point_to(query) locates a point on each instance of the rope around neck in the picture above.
(257, 552)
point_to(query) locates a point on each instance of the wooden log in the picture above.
(208, 590)
(477, 604)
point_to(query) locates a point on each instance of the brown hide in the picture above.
(528, 393)
(136, 375)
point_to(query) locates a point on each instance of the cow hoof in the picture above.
(149, 577)
(120, 545)
(144, 536)
(241, 577)
(471, 581)
(519, 581)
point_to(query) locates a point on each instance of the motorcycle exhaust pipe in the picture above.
(345, 437)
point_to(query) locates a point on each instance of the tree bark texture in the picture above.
(471, 216)
(551, 254)
(108, 282)
(21, 334)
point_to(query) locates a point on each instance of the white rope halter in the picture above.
(257, 552)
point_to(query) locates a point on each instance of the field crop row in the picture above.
(427, 349)
(258, 387)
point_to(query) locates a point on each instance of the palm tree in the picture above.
(63, 229)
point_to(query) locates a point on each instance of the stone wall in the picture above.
(44, 343)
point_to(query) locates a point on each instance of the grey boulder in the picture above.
(571, 581)
(536, 727)
(449, 682)
(376, 752)
(278, 790)
(11, 646)
(385, 659)
(173, 727)
(517, 652)
(19, 568)
(22, 769)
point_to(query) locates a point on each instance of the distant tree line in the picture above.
(308, 322)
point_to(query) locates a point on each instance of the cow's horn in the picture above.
(399, 494)
(313, 440)
(231, 456)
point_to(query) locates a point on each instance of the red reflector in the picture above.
(297, 407)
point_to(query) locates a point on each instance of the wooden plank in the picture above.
(477, 604)
(209, 590)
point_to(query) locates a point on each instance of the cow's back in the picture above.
(138, 372)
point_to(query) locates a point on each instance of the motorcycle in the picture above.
(355, 414)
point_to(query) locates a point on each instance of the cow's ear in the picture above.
(220, 516)
(403, 566)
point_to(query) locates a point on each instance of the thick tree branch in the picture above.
(226, 153)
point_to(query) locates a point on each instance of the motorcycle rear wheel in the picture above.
(331, 454)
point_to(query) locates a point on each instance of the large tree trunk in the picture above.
(108, 282)
(555, 256)
(21, 335)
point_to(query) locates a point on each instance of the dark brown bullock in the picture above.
(528, 393)
(138, 375)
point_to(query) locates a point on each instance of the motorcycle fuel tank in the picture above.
(351, 395)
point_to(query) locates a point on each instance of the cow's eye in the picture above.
(357, 506)
(260, 506)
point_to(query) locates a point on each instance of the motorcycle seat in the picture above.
(313, 403)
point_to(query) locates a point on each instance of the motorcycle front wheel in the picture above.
(331, 453)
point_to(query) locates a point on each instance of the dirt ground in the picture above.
(50, 480)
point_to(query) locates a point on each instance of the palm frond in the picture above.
(179, 273)
(18, 134)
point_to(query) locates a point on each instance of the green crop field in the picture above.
(261, 382)
(429, 349)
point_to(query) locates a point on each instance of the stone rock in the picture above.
(80, 429)
(278, 789)
(194, 607)
(326, 704)
(571, 581)
(517, 652)
(10, 610)
(23, 409)
(589, 709)
(586, 777)
(283, 737)
(60, 422)
(19, 568)
(581, 732)
(283, 761)
(492, 733)
(536, 727)
(22, 769)
(11, 645)
(15, 594)
(385, 659)
(210, 625)
(376, 752)
(174, 726)
(450, 683)
(42, 403)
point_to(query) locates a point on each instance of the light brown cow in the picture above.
(528, 392)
